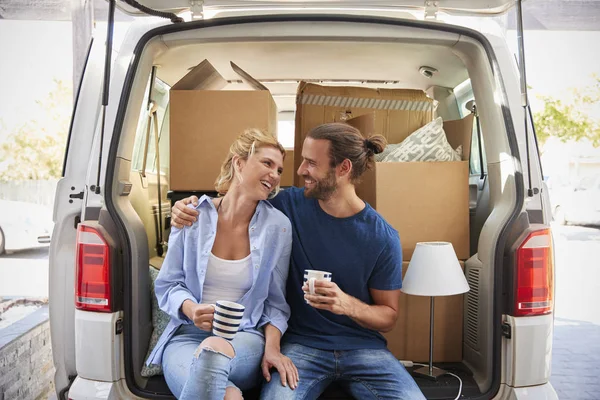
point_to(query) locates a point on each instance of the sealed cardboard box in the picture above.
(397, 111)
(424, 201)
(205, 120)
(409, 340)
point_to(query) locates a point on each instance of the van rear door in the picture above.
(69, 205)
(459, 7)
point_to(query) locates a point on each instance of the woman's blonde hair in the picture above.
(244, 147)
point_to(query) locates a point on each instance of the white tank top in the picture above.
(226, 279)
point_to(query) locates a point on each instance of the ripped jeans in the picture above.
(208, 375)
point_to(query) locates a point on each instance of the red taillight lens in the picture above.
(535, 275)
(92, 284)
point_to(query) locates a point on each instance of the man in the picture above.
(334, 334)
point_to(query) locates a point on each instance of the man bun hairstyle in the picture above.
(346, 142)
(375, 144)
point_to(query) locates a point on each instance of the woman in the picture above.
(238, 251)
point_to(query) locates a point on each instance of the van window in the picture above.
(464, 94)
(475, 166)
(286, 131)
(160, 94)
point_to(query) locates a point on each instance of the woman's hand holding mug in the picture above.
(201, 315)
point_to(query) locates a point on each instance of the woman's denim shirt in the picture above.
(184, 268)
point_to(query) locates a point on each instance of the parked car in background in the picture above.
(24, 225)
(577, 204)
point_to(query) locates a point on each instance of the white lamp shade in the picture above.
(434, 270)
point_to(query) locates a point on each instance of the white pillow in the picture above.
(459, 152)
(391, 147)
(386, 151)
(428, 143)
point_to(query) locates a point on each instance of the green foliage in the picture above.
(35, 150)
(571, 119)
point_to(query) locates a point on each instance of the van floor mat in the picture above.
(157, 385)
(333, 392)
(446, 387)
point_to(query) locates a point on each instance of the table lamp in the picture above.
(434, 270)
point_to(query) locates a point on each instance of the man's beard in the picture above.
(324, 188)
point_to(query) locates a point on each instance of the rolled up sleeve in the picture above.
(170, 287)
(276, 310)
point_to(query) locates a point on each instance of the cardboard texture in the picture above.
(424, 201)
(204, 122)
(398, 112)
(202, 77)
(287, 179)
(459, 132)
(409, 340)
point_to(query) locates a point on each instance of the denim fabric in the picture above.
(184, 269)
(365, 374)
(207, 376)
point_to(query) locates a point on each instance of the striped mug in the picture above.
(227, 318)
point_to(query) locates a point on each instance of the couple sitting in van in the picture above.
(332, 335)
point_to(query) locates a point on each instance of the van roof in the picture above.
(461, 7)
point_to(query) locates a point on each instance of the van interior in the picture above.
(452, 69)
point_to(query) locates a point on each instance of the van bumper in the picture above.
(86, 389)
(92, 390)
(539, 392)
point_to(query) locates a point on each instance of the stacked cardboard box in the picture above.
(396, 111)
(205, 120)
(424, 201)
(287, 178)
(409, 339)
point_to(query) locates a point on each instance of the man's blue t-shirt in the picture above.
(362, 252)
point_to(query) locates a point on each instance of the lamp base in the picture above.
(423, 372)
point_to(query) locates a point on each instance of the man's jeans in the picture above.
(193, 374)
(365, 374)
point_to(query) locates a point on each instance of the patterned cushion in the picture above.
(386, 151)
(459, 152)
(427, 143)
(160, 319)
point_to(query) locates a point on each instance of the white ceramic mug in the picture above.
(227, 319)
(311, 275)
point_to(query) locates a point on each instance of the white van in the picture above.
(112, 211)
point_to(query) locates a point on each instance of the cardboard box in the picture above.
(409, 340)
(204, 122)
(287, 179)
(424, 201)
(397, 111)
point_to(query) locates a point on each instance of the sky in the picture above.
(557, 61)
(42, 53)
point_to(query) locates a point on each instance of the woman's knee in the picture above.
(232, 393)
(217, 344)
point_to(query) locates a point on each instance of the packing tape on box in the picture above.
(358, 102)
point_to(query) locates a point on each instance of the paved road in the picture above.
(576, 351)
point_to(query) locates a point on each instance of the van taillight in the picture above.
(535, 275)
(92, 283)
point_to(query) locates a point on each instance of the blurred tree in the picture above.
(35, 150)
(575, 118)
